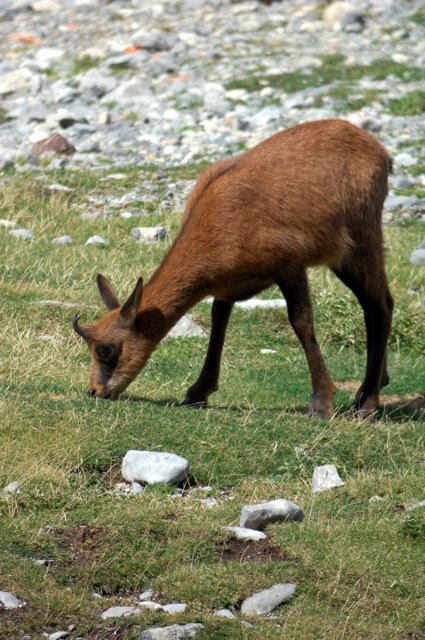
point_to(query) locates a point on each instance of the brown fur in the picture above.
(310, 195)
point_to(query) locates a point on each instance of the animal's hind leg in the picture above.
(207, 381)
(367, 280)
(300, 313)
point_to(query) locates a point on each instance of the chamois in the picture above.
(310, 195)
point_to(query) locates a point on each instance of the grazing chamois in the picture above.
(310, 195)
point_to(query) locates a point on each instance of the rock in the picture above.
(147, 595)
(258, 516)
(405, 160)
(62, 240)
(225, 613)
(341, 16)
(96, 240)
(186, 327)
(417, 257)
(266, 351)
(8, 223)
(175, 608)
(242, 533)
(266, 601)
(365, 121)
(149, 235)
(97, 83)
(215, 98)
(119, 612)
(173, 632)
(22, 234)
(136, 489)
(416, 505)
(9, 601)
(402, 182)
(12, 488)
(258, 303)
(45, 56)
(58, 635)
(56, 143)
(154, 466)
(152, 40)
(21, 80)
(325, 477)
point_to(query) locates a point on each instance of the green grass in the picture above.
(412, 104)
(358, 564)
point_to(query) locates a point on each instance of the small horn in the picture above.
(77, 327)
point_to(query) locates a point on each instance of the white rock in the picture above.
(175, 607)
(62, 240)
(405, 160)
(375, 499)
(417, 505)
(9, 601)
(96, 240)
(325, 477)
(265, 351)
(22, 80)
(242, 533)
(58, 635)
(13, 487)
(136, 489)
(119, 612)
(186, 327)
(339, 15)
(258, 303)
(7, 223)
(258, 516)
(149, 235)
(173, 632)
(225, 613)
(22, 234)
(417, 257)
(147, 595)
(266, 601)
(154, 466)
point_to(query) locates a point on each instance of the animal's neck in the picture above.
(176, 286)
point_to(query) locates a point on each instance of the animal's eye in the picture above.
(108, 354)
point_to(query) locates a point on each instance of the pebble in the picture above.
(417, 257)
(22, 234)
(147, 595)
(153, 466)
(325, 477)
(9, 601)
(58, 635)
(186, 327)
(62, 240)
(257, 303)
(119, 612)
(416, 505)
(258, 516)
(243, 533)
(267, 600)
(225, 613)
(150, 606)
(173, 632)
(13, 487)
(149, 235)
(136, 489)
(96, 240)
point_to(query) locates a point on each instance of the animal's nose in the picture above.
(94, 393)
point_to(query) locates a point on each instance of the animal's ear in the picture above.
(131, 307)
(107, 293)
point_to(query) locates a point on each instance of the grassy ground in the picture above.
(358, 564)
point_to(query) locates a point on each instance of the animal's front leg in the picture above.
(207, 382)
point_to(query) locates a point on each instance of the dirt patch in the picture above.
(80, 545)
(348, 385)
(250, 551)
(411, 402)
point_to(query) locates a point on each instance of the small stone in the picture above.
(405, 160)
(242, 533)
(62, 240)
(258, 303)
(136, 489)
(416, 505)
(265, 351)
(154, 466)
(119, 612)
(173, 632)
(96, 240)
(342, 15)
(147, 595)
(9, 601)
(266, 601)
(20, 80)
(58, 635)
(12, 488)
(56, 143)
(376, 499)
(186, 327)
(175, 608)
(325, 477)
(149, 235)
(7, 223)
(417, 257)
(225, 613)
(402, 182)
(22, 234)
(258, 516)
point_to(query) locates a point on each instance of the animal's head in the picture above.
(115, 342)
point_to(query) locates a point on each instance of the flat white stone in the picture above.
(9, 601)
(62, 240)
(119, 612)
(172, 632)
(22, 234)
(257, 516)
(225, 613)
(7, 223)
(417, 505)
(150, 606)
(186, 327)
(149, 235)
(58, 635)
(175, 607)
(154, 466)
(325, 477)
(13, 487)
(266, 601)
(258, 303)
(242, 533)
(96, 240)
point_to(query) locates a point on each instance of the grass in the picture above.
(412, 104)
(358, 564)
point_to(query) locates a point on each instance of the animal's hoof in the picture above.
(190, 401)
